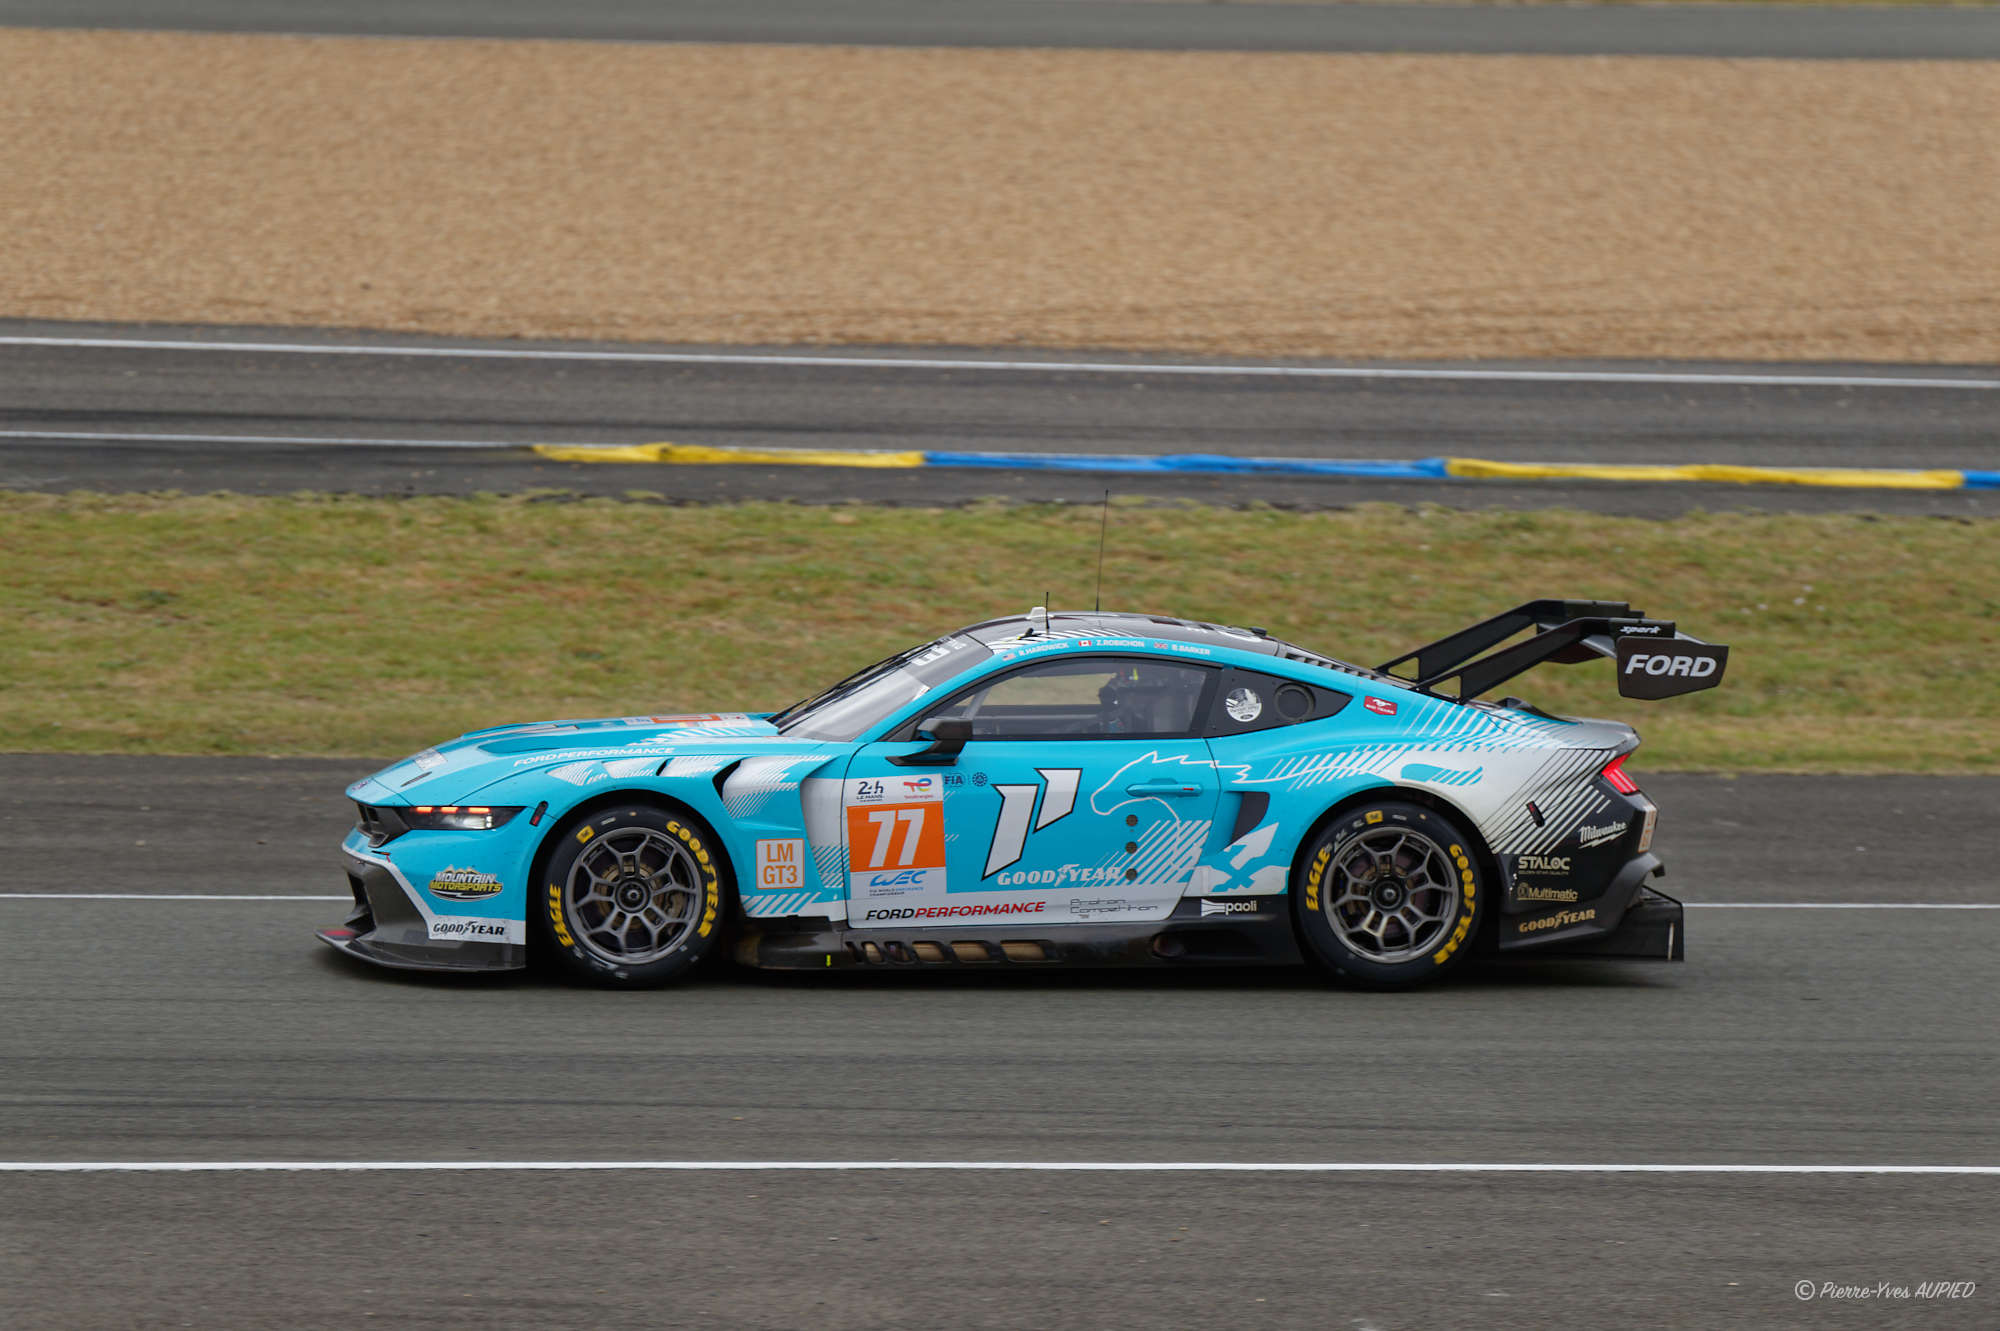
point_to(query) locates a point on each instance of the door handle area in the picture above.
(1163, 788)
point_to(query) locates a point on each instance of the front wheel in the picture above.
(632, 896)
(1389, 894)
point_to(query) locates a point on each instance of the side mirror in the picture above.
(947, 738)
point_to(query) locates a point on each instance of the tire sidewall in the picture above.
(551, 925)
(1315, 868)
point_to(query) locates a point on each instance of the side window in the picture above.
(1250, 701)
(1085, 698)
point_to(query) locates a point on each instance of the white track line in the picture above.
(154, 896)
(1691, 905)
(943, 1166)
(1842, 905)
(108, 436)
(1015, 366)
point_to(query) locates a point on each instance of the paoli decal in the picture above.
(455, 884)
(1057, 794)
(1209, 908)
(1664, 667)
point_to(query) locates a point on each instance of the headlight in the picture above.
(458, 817)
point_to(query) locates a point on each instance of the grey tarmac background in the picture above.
(198, 1030)
(230, 418)
(1789, 31)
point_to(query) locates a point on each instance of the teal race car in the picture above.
(1084, 788)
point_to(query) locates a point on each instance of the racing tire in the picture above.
(631, 896)
(1389, 894)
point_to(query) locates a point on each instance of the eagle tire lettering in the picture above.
(557, 932)
(1361, 864)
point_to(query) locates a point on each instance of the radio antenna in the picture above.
(1103, 523)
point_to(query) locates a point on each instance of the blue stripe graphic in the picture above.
(1419, 469)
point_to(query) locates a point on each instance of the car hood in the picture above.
(626, 745)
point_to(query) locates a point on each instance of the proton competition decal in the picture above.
(895, 835)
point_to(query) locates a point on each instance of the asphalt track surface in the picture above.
(191, 416)
(1726, 30)
(193, 1030)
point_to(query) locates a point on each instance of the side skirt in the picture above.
(1187, 938)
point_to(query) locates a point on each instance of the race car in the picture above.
(1068, 788)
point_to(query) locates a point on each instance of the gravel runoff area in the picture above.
(1199, 202)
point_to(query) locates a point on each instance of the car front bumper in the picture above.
(386, 928)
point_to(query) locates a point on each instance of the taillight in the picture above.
(1614, 772)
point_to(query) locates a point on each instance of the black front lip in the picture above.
(386, 929)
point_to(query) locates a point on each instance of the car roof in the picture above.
(1040, 626)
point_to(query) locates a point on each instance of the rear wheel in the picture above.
(1389, 894)
(632, 896)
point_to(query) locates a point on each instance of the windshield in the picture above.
(871, 695)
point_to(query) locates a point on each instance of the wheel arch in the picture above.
(636, 795)
(1489, 864)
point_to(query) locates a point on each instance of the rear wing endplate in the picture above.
(1655, 659)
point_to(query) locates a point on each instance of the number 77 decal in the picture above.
(885, 822)
(895, 836)
(1010, 830)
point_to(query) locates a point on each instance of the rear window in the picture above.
(1251, 700)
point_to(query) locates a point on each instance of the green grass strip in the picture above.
(355, 626)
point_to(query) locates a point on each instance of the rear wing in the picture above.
(1655, 660)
